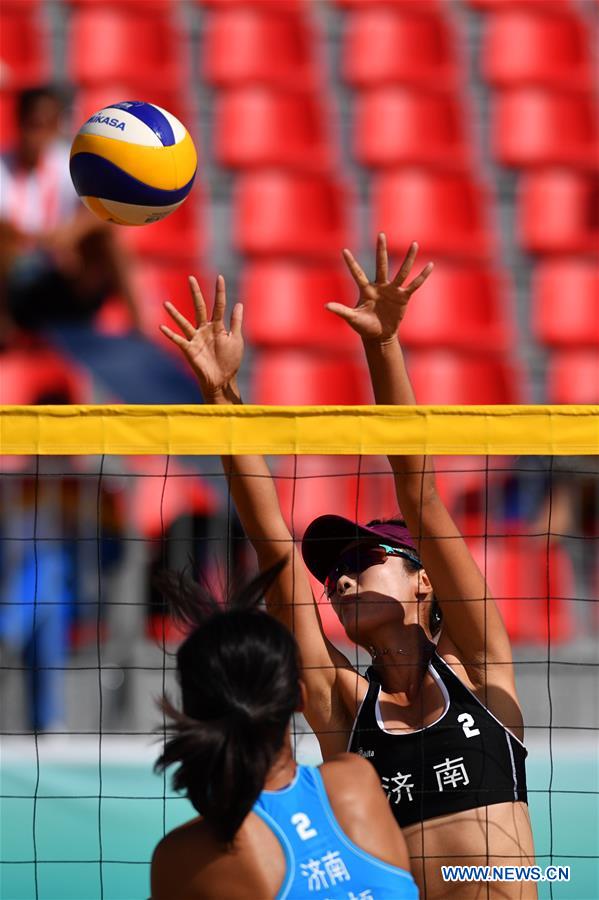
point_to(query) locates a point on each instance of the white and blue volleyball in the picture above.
(133, 163)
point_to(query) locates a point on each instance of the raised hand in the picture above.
(213, 353)
(381, 303)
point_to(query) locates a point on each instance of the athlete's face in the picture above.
(371, 587)
(39, 127)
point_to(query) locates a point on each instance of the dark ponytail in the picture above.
(239, 675)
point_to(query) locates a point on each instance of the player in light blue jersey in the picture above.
(268, 828)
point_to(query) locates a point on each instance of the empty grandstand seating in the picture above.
(34, 373)
(167, 281)
(446, 211)
(7, 118)
(494, 6)
(573, 376)
(530, 46)
(178, 238)
(160, 500)
(532, 585)
(24, 54)
(398, 125)
(565, 295)
(442, 376)
(423, 5)
(460, 307)
(412, 47)
(150, 6)
(361, 489)
(90, 98)
(535, 127)
(284, 305)
(258, 44)
(300, 378)
(258, 126)
(100, 45)
(558, 212)
(295, 215)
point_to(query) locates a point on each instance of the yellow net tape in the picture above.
(347, 430)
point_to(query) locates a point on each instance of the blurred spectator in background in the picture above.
(59, 263)
(51, 578)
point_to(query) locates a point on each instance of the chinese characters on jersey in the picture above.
(450, 774)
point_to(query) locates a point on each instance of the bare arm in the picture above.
(362, 809)
(471, 618)
(215, 355)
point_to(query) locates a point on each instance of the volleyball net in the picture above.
(95, 500)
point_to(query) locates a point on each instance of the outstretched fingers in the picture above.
(406, 265)
(382, 260)
(183, 323)
(357, 272)
(198, 301)
(220, 300)
(344, 312)
(237, 319)
(420, 279)
(174, 337)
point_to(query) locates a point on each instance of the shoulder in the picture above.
(349, 775)
(174, 853)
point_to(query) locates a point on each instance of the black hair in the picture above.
(435, 619)
(239, 675)
(28, 99)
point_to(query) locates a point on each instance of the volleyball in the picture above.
(133, 163)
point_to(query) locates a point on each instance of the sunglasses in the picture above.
(359, 558)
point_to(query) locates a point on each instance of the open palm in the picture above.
(381, 303)
(213, 352)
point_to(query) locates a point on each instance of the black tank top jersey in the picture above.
(464, 760)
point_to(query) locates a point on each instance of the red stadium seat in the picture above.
(250, 45)
(561, 322)
(287, 5)
(532, 585)
(37, 374)
(446, 213)
(535, 127)
(300, 378)
(310, 486)
(157, 283)
(557, 212)
(21, 5)
(107, 44)
(386, 45)
(257, 126)
(284, 305)
(539, 6)
(159, 500)
(8, 122)
(149, 6)
(428, 6)
(24, 55)
(395, 126)
(444, 377)
(178, 238)
(523, 46)
(294, 215)
(573, 376)
(89, 100)
(460, 307)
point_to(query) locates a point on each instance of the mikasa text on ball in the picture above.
(133, 163)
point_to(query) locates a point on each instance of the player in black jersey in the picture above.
(438, 716)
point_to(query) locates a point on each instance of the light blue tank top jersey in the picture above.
(322, 862)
